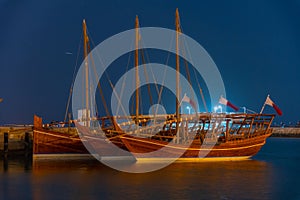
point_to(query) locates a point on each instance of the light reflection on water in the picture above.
(270, 175)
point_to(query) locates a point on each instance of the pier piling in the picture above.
(26, 144)
(5, 149)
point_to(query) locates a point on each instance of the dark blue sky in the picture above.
(255, 44)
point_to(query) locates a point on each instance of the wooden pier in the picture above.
(15, 141)
(286, 132)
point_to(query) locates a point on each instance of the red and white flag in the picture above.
(271, 103)
(224, 101)
(190, 101)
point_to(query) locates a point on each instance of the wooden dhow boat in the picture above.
(194, 137)
(202, 137)
(79, 139)
(55, 140)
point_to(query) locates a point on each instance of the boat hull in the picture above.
(52, 142)
(104, 147)
(144, 149)
(101, 145)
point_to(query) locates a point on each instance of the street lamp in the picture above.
(215, 108)
(218, 107)
(189, 108)
(245, 109)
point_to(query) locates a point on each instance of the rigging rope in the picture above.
(195, 74)
(124, 83)
(107, 75)
(73, 79)
(98, 85)
(147, 78)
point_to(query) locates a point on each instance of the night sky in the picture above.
(255, 44)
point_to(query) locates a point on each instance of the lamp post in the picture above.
(189, 108)
(245, 109)
(215, 108)
(218, 107)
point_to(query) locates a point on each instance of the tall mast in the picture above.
(177, 68)
(85, 49)
(136, 69)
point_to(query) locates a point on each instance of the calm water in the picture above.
(272, 174)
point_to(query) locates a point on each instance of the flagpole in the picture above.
(263, 107)
(182, 99)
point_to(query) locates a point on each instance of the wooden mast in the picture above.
(177, 69)
(85, 47)
(136, 69)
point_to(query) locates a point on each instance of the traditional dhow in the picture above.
(194, 136)
(203, 137)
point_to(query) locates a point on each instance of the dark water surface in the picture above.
(272, 174)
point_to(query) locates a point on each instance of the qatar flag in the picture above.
(271, 103)
(190, 101)
(225, 102)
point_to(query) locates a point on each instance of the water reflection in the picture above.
(272, 174)
(88, 179)
(16, 164)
